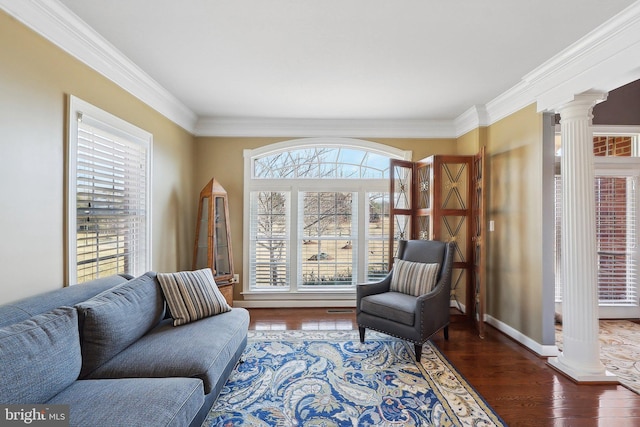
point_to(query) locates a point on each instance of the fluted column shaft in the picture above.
(581, 349)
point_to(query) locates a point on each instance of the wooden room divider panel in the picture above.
(442, 198)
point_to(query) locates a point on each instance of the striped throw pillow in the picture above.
(192, 295)
(413, 278)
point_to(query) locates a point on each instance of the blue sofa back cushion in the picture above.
(114, 319)
(39, 357)
(25, 308)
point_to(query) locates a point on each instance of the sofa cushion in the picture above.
(201, 349)
(25, 308)
(413, 278)
(391, 305)
(192, 295)
(132, 402)
(39, 356)
(114, 319)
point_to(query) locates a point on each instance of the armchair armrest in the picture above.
(372, 288)
(432, 309)
(435, 293)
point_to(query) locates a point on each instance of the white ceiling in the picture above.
(340, 59)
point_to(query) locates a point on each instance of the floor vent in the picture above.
(340, 310)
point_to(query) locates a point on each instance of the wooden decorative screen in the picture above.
(440, 198)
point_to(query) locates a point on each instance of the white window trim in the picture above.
(304, 297)
(77, 108)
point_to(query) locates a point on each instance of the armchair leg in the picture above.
(361, 330)
(446, 333)
(418, 348)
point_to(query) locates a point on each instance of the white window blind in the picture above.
(616, 237)
(109, 182)
(558, 239)
(269, 240)
(377, 235)
(328, 238)
(616, 202)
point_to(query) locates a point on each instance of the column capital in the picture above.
(581, 106)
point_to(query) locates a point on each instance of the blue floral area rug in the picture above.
(328, 378)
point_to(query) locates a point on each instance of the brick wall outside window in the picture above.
(618, 146)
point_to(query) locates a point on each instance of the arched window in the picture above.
(317, 213)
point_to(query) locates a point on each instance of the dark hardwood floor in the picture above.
(518, 384)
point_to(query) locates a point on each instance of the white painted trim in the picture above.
(266, 127)
(76, 107)
(586, 45)
(604, 59)
(382, 149)
(612, 130)
(56, 23)
(457, 305)
(509, 102)
(301, 295)
(586, 64)
(295, 304)
(471, 119)
(294, 187)
(539, 349)
(605, 377)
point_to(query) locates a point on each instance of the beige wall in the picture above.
(35, 80)
(514, 271)
(223, 159)
(470, 143)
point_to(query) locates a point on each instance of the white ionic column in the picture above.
(580, 357)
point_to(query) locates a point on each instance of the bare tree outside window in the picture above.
(271, 239)
(327, 252)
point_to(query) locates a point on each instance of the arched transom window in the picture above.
(316, 216)
(322, 162)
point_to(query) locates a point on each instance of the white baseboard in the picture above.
(294, 303)
(303, 304)
(539, 349)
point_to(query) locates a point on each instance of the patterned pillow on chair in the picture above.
(413, 278)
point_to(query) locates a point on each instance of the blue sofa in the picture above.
(109, 350)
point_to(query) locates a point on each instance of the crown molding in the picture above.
(59, 25)
(471, 119)
(623, 24)
(362, 128)
(514, 99)
(604, 59)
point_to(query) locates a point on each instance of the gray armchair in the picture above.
(412, 318)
